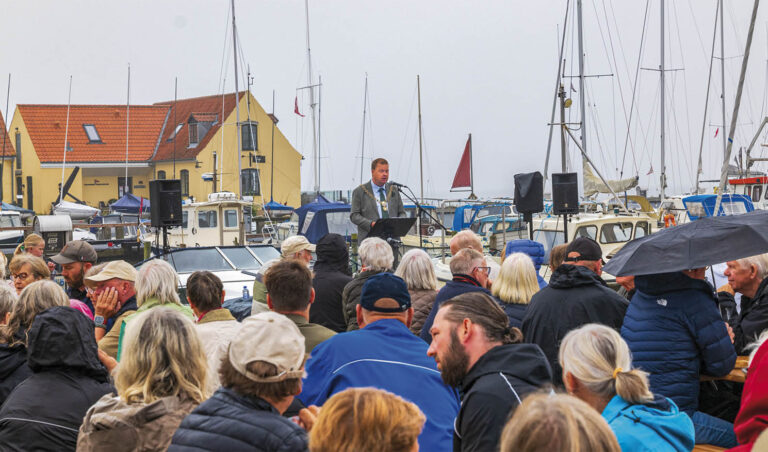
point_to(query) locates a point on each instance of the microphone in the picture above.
(399, 185)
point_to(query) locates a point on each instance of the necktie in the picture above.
(383, 200)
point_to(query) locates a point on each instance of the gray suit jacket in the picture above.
(364, 210)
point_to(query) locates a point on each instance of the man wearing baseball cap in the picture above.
(576, 295)
(75, 259)
(294, 247)
(115, 299)
(384, 354)
(260, 375)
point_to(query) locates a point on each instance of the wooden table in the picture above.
(738, 374)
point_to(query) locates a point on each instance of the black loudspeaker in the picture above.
(565, 193)
(529, 192)
(165, 202)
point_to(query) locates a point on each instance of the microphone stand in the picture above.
(419, 211)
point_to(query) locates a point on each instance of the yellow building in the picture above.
(186, 138)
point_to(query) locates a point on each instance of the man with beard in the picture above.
(384, 354)
(76, 258)
(477, 352)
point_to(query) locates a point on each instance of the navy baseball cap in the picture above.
(385, 285)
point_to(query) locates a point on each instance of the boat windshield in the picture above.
(9, 221)
(265, 253)
(242, 258)
(193, 259)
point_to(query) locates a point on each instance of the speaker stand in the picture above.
(565, 228)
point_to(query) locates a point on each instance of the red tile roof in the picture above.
(46, 125)
(206, 108)
(5, 137)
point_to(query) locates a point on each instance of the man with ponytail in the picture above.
(597, 368)
(477, 352)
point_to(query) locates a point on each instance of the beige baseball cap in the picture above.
(294, 244)
(115, 269)
(272, 338)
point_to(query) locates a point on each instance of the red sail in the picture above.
(463, 177)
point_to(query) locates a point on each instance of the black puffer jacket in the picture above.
(331, 276)
(574, 297)
(492, 389)
(46, 410)
(13, 368)
(753, 318)
(230, 421)
(350, 298)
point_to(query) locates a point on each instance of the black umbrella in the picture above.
(692, 245)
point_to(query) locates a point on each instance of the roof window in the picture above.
(175, 131)
(93, 134)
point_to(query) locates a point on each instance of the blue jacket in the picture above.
(233, 422)
(385, 355)
(674, 330)
(652, 427)
(458, 286)
(534, 250)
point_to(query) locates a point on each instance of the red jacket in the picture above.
(753, 415)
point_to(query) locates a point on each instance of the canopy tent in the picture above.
(130, 203)
(321, 217)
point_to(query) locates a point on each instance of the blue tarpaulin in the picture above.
(129, 203)
(273, 205)
(320, 217)
(6, 206)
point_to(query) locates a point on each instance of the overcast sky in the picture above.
(487, 68)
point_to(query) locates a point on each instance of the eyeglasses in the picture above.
(485, 270)
(20, 276)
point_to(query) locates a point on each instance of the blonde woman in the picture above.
(419, 275)
(157, 285)
(515, 286)
(597, 368)
(383, 422)
(34, 299)
(557, 422)
(26, 269)
(161, 379)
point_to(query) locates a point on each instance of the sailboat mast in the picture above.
(362, 147)
(316, 159)
(582, 96)
(663, 180)
(722, 76)
(237, 108)
(127, 129)
(472, 172)
(272, 159)
(66, 144)
(5, 137)
(421, 158)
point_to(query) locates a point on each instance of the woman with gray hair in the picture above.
(376, 257)
(418, 273)
(597, 368)
(157, 285)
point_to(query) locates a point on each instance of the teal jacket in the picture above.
(656, 426)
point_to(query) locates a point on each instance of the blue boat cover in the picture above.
(6, 206)
(318, 226)
(274, 205)
(129, 203)
(699, 206)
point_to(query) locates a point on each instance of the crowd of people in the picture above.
(382, 360)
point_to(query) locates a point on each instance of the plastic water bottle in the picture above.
(246, 293)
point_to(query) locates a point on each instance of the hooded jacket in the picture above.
(13, 368)
(385, 355)
(674, 330)
(46, 410)
(752, 419)
(534, 250)
(234, 422)
(332, 274)
(492, 389)
(651, 427)
(350, 297)
(574, 297)
(115, 426)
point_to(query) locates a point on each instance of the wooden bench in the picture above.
(707, 448)
(738, 374)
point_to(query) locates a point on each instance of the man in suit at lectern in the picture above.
(375, 199)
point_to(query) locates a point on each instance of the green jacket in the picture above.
(312, 332)
(146, 306)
